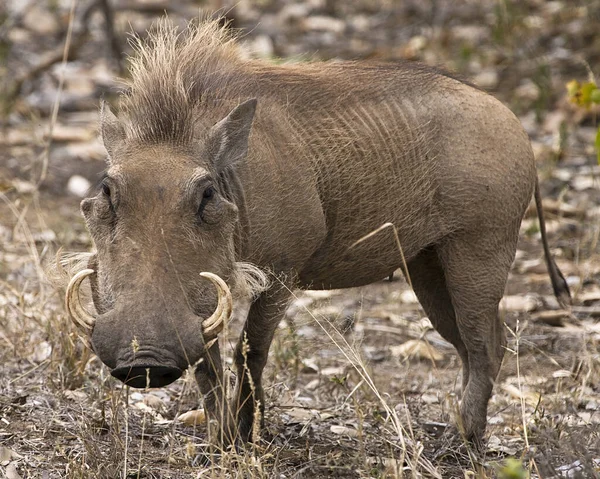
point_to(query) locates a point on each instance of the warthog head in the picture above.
(163, 222)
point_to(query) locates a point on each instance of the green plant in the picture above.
(512, 469)
(585, 95)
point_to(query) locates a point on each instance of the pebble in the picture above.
(78, 186)
(262, 47)
(324, 24)
(487, 78)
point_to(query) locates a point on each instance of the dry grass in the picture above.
(339, 404)
(340, 401)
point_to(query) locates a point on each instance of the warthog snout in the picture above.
(147, 375)
(159, 341)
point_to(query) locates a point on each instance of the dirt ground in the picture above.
(358, 383)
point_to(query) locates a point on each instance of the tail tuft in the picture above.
(560, 286)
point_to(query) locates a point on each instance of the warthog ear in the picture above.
(228, 139)
(112, 130)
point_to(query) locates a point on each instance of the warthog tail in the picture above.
(559, 284)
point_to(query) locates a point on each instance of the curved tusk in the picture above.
(217, 321)
(82, 319)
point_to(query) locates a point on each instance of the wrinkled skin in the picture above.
(329, 154)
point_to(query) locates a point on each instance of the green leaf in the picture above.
(595, 96)
(586, 94)
(512, 469)
(572, 88)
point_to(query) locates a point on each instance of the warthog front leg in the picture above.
(209, 376)
(250, 358)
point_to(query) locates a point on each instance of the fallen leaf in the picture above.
(155, 403)
(192, 418)
(6, 455)
(519, 303)
(416, 348)
(529, 397)
(551, 318)
(78, 396)
(496, 445)
(78, 186)
(334, 371)
(589, 298)
(435, 429)
(408, 297)
(344, 431)
(309, 366)
(11, 471)
(41, 352)
(68, 133)
(298, 415)
(430, 398)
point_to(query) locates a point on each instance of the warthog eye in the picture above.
(108, 194)
(207, 195)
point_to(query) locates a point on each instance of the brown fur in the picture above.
(335, 151)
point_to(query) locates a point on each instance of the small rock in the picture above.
(408, 297)
(136, 396)
(581, 183)
(41, 353)
(323, 23)
(334, 371)
(496, 445)
(430, 398)
(294, 11)
(78, 186)
(527, 90)
(155, 403)
(589, 298)
(435, 429)
(77, 396)
(192, 418)
(519, 303)
(562, 174)
(11, 471)
(45, 236)
(472, 34)
(298, 415)
(67, 133)
(416, 348)
(360, 23)
(487, 78)
(309, 366)
(312, 385)
(534, 22)
(6, 455)
(262, 47)
(417, 43)
(23, 187)
(344, 431)
(40, 20)
(551, 318)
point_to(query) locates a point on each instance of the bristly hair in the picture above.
(172, 74)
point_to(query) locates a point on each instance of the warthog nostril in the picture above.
(143, 376)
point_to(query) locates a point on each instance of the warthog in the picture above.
(227, 170)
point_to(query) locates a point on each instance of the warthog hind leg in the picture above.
(428, 280)
(476, 266)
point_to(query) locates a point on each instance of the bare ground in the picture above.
(358, 384)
